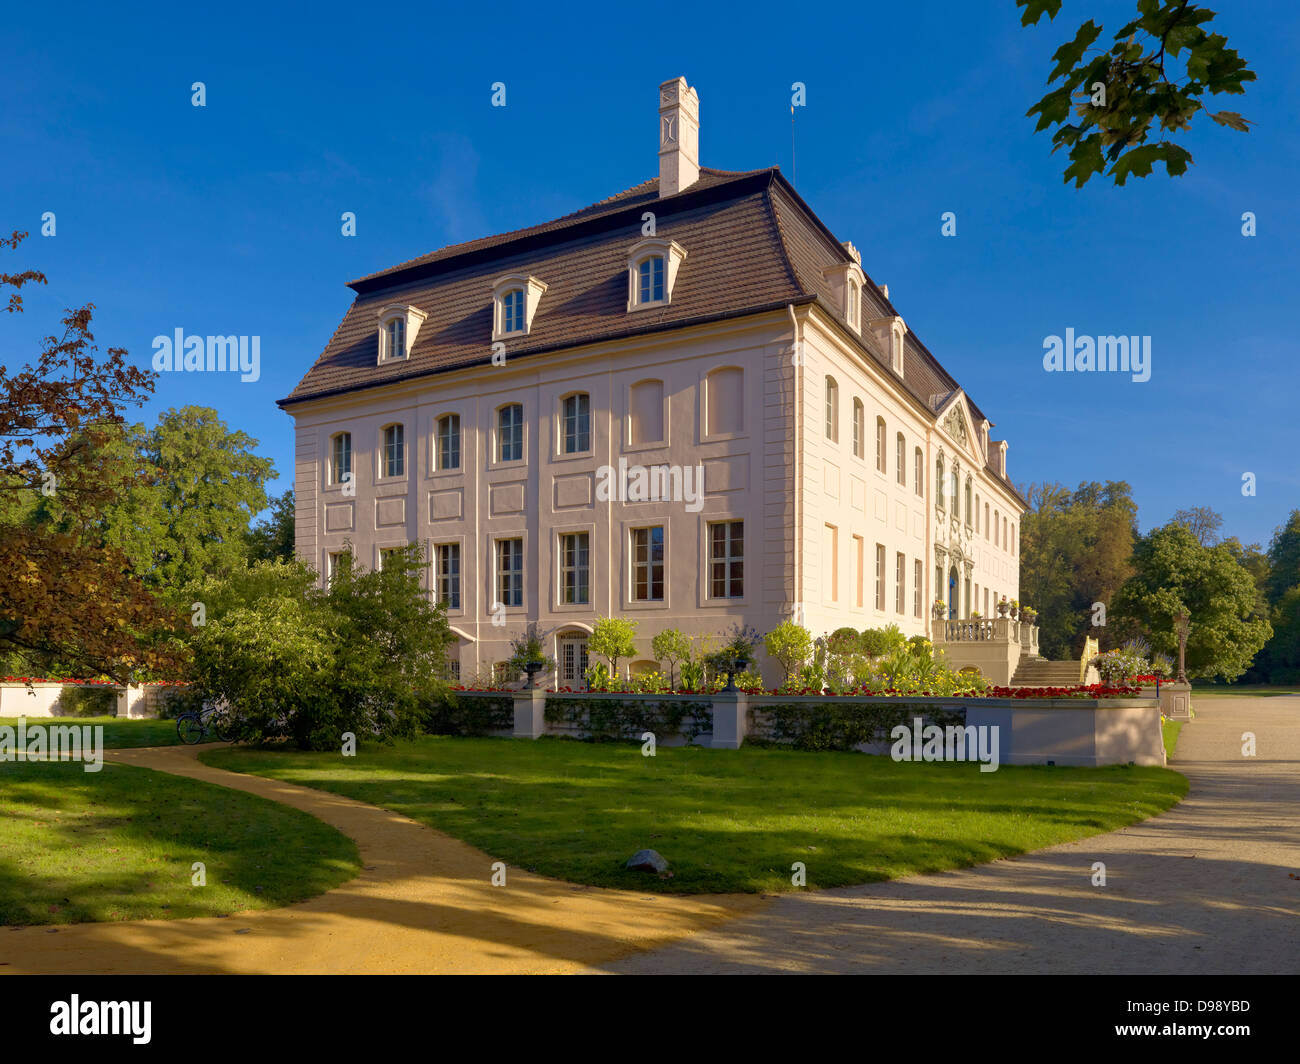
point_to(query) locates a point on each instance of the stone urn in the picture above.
(532, 668)
(1003, 607)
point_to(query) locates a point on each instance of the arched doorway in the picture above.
(954, 593)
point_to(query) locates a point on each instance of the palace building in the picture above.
(687, 404)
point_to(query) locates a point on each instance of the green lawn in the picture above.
(1254, 690)
(119, 732)
(725, 820)
(1170, 729)
(119, 844)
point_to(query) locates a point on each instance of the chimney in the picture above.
(679, 137)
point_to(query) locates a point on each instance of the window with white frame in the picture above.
(510, 572)
(900, 459)
(727, 559)
(575, 423)
(512, 311)
(832, 410)
(447, 436)
(510, 433)
(399, 325)
(880, 577)
(515, 299)
(900, 584)
(859, 429)
(648, 564)
(882, 456)
(447, 574)
(918, 461)
(652, 272)
(575, 568)
(394, 451)
(916, 588)
(340, 458)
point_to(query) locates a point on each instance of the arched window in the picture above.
(977, 511)
(995, 528)
(986, 520)
(448, 441)
(510, 433)
(832, 410)
(650, 280)
(575, 423)
(900, 458)
(939, 482)
(394, 451)
(512, 311)
(396, 338)
(918, 460)
(968, 500)
(725, 407)
(859, 429)
(340, 470)
(882, 459)
(853, 304)
(1013, 539)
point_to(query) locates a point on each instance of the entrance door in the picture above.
(953, 595)
(572, 654)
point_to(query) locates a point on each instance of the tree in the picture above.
(788, 644)
(1124, 95)
(1284, 559)
(273, 537)
(1174, 573)
(1203, 522)
(190, 517)
(671, 646)
(67, 602)
(613, 638)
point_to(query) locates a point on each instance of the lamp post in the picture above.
(1182, 625)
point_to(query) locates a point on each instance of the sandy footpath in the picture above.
(1203, 888)
(424, 903)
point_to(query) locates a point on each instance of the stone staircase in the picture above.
(1039, 672)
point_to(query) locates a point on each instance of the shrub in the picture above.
(788, 644)
(650, 682)
(529, 649)
(1116, 666)
(613, 719)
(459, 714)
(1162, 665)
(88, 700)
(613, 638)
(844, 725)
(671, 646)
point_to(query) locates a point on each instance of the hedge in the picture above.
(610, 719)
(838, 724)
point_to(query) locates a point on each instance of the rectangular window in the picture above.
(727, 559)
(900, 584)
(397, 338)
(880, 577)
(916, 588)
(453, 670)
(448, 580)
(513, 305)
(882, 459)
(648, 564)
(576, 427)
(575, 568)
(986, 602)
(449, 441)
(332, 564)
(859, 577)
(341, 458)
(510, 572)
(919, 472)
(394, 451)
(510, 433)
(901, 457)
(651, 277)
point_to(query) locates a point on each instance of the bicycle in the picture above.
(194, 728)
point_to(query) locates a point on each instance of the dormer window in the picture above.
(846, 280)
(891, 332)
(398, 326)
(853, 305)
(652, 267)
(515, 298)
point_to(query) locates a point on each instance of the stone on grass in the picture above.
(647, 861)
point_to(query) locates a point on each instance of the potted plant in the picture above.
(529, 654)
(975, 615)
(736, 654)
(940, 608)
(1028, 613)
(1003, 606)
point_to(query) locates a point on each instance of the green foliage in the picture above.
(650, 682)
(599, 678)
(88, 700)
(844, 724)
(612, 719)
(1174, 573)
(877, 642)
(613, 638)
(272, 539)
(789, 645)
(530, 649)
(672, 646)
(1144, 93)
(365, 656)
(457, 713)
(1117, 666)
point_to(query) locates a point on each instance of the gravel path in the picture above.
(1203, 888)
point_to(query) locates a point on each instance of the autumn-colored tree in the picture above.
(67, 602)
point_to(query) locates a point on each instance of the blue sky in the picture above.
(225, 219)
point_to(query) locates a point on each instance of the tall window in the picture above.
(938, 481)
(512, 311)
(727, 559)
(916, 588)
(650, 280)
(900, 459)
(831, 563)
(918, 460)
(648, 564)
(986, 520)
(1013, 539)
(396, 337)
(832, 409)
(575, 568)
(449, 441)
(1004, 533)
(645, 412)
(510, 433)
(341, 458)
(448, 574)
(882, 459)
(968, 504)
(510, 572)
(977, 511)
(394, 451)
(900, 584)
(575, 423)
(859, 429)
(859, 577)
(853, 304)
(725, 401)
(880, 577)
(332, 562)
(995, 528)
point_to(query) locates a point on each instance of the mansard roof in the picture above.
(752, 244)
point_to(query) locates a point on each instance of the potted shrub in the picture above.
(1028, 613)
(940, 608)
(529, 654)
(736, 654)
(1003, 606)
(975, 615)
